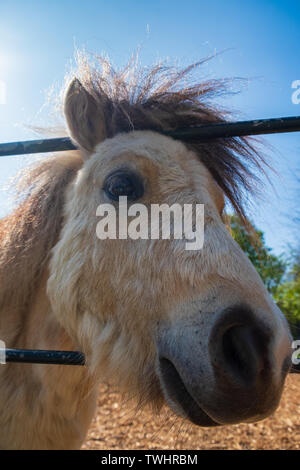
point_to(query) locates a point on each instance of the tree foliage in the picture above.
(270, 267)
(287, 296)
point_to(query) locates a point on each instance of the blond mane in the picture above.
(164, 98)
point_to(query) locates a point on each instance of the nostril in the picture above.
(239, 352)
(239, 347)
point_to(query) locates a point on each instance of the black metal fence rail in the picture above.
(38, 356)
(204, 132)
(70, 358)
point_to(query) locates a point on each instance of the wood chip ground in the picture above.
(117, 425)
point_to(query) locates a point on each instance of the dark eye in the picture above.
(123, 183)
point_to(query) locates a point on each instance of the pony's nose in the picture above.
(242, 354)
(232, 372)
(248, 363)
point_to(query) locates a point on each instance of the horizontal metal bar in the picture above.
(239, 128)
(38, 356)
(36, 146)
(204, 132)
(71, 358)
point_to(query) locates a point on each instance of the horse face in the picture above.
(194, 326)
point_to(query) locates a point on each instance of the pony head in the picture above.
(196, 328)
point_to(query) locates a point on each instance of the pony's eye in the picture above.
(123, 183)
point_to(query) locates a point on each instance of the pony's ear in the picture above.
(85, 117)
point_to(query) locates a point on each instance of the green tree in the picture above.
(287, 297)
(270, 267)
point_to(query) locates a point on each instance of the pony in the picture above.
(196, 329)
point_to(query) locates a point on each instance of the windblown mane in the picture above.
(161, 99)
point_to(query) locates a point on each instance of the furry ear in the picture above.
(85, 117)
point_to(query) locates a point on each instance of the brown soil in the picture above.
(118, 425)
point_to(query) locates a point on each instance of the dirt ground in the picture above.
(117, 425)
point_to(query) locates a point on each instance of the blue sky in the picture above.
(261, 39)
